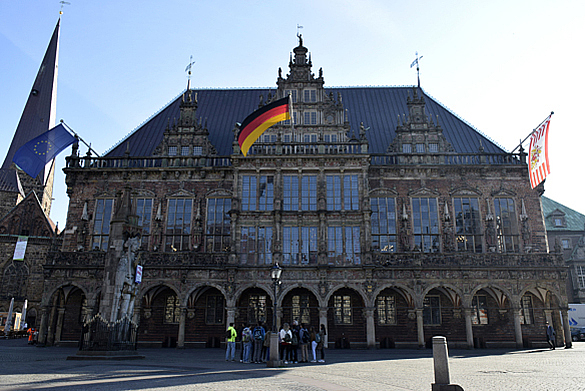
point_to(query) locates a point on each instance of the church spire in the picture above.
(37, 117)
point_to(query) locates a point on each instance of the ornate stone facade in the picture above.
(384, 249)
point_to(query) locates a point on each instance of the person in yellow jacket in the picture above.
(230, 352)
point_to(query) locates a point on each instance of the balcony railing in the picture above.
(410, 260)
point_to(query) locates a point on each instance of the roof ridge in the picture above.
(464, 120)
(144, 122)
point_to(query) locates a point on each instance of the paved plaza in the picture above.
(24, 367)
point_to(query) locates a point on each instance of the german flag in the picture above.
(260, 120)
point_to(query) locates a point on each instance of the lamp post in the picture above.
(274, 360)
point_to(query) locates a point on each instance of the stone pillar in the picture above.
(181, 336)
(548, 317)
(566, 328)
(323, 321)
(420, 328)
(468, 327)
(441, 366)
(231, 316)
(370, 327)
(518, 328)
(51, 329)
(43, 326)
(59, 327)
(274, 359)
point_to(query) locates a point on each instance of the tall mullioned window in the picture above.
(342, 313)
(218, 225)
(257, 193)
(214, 309)
(101, 223)
(581, 276)
(342, 188)
(343, 245)
(299, 195)
(479, 313)
(432, 310)
(172, 309)
(178, 229)
(299, 245)
(386, 306)
(290, 191)
(309, 192)
(425, 221)
(256, 309)
(383, 224)
(526, 310)
(256, 245)
(467, 224)
(144, 212)
(506, 225)
(300, 309)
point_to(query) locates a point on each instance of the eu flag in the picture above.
(35, 154)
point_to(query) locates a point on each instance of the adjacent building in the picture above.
(565, 228)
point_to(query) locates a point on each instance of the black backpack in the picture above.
(305, 338)
(228, 334)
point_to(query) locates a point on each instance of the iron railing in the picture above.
(101, 335)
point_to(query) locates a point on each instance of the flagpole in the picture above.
(80, 139)
(534, 130)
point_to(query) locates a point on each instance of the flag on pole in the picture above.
(35, 154)
(538, 166)
(260, 120)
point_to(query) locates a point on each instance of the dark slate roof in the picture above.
(377, 107)
(574, 220)
(36, 116)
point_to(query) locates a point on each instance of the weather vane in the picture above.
(188, 69)
(63, 3)
(417, 67)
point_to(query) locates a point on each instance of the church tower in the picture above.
(37, 117)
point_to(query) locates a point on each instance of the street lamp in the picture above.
(273, 360)
(275, 273)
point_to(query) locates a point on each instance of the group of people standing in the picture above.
(255, 343)
(295, 337)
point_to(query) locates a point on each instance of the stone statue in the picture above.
(125, 284)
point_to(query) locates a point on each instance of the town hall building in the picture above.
(392, 219)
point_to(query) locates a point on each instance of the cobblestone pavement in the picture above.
(24, 367)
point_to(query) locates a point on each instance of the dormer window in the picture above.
(420, 148)
(173, 151)
(433, 148)
(197, 151)
(558, 222)
(293, 94)
(406, 148)
(310, 96)
(184, 151)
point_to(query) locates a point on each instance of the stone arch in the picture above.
(308, 287)
(200, 285)
(47, 298)
(300, 304)
(205, 316)
(363, 295)
(268, 288)
(407, 293)
(160, 313)
(492, 289)
(253, 304)
(346, 317)
(449, 290)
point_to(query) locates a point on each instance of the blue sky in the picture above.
(502, 66)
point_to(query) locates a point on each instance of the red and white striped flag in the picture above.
(538, 166)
